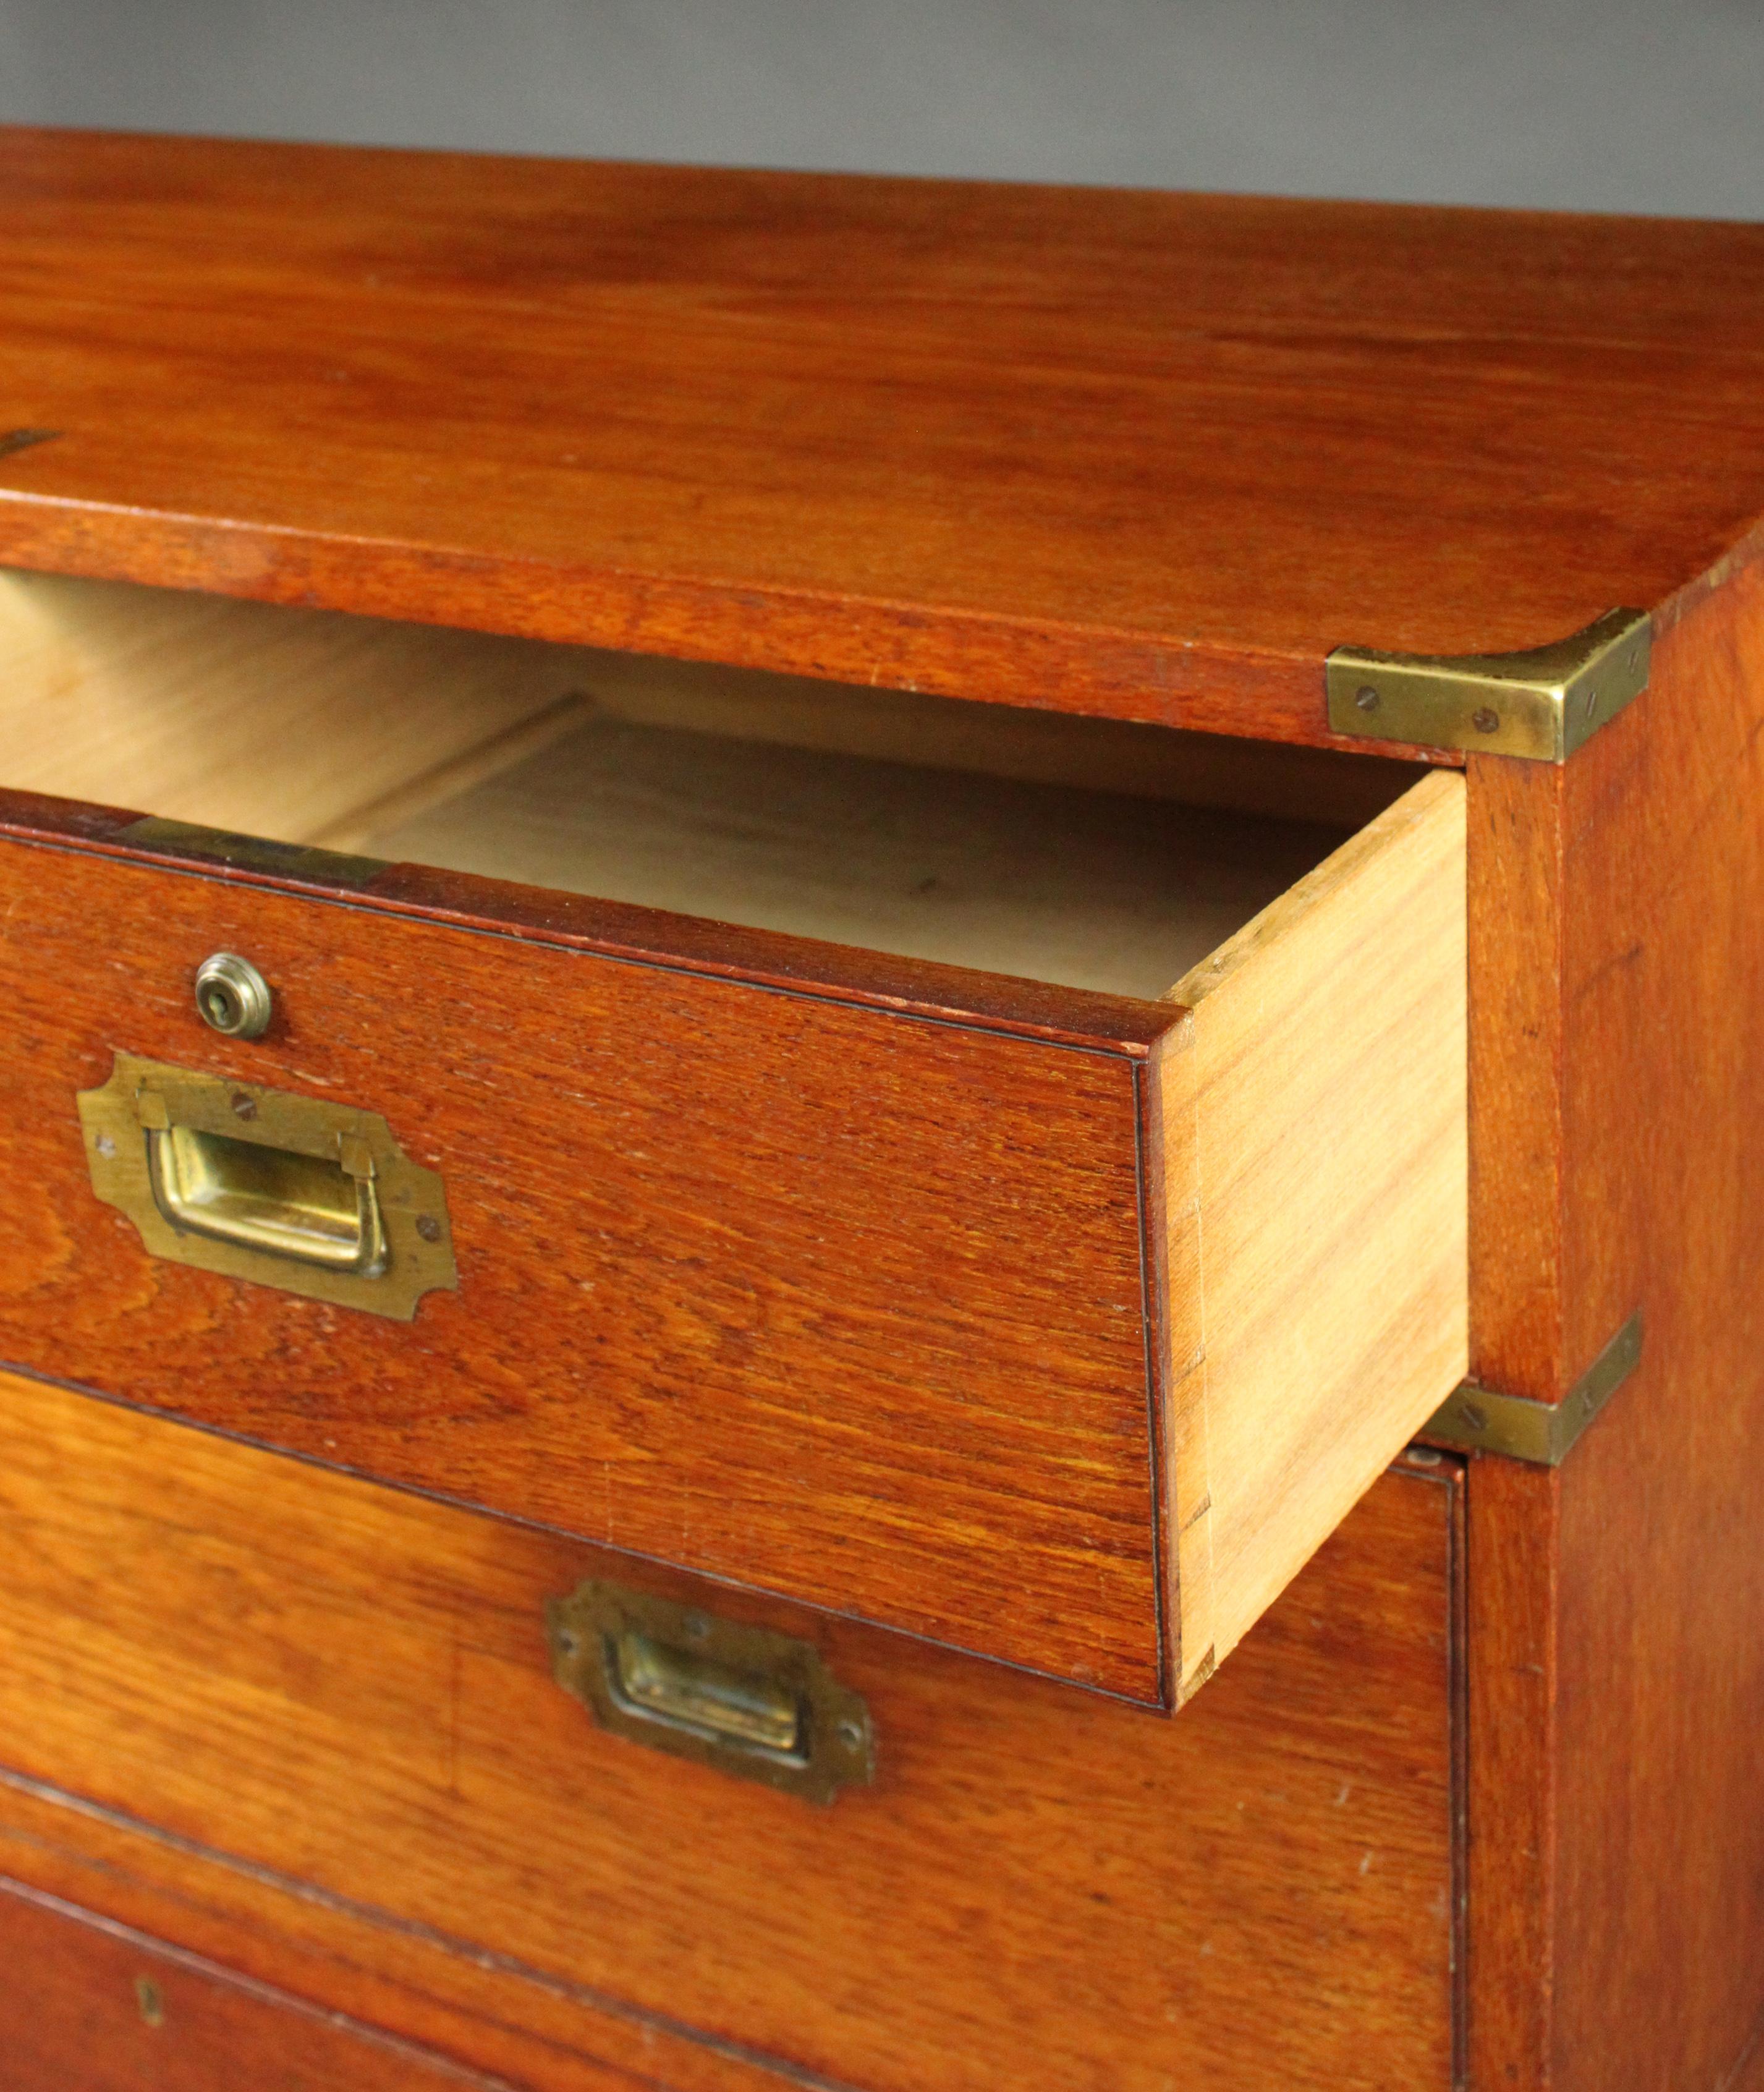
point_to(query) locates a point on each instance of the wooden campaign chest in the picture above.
(881, 1196)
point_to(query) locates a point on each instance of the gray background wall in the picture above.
(1656, 106)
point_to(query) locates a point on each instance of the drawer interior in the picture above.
(1088, 853)
(1015, 1252)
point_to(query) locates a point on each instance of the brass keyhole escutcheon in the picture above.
(232, 997)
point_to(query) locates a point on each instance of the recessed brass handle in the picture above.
(740, 1709)
(301, 1193)
(271, 1199)
(743, 1698)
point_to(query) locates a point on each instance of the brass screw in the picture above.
(429, 1227)
(1366, 697)
(1486, 720)
(243, 1106)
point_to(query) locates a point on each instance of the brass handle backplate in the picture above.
(296, 1192)
(742, 1698)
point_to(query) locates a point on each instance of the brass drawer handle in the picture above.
(743, 1698)
(739, 1710)
(271, 1200)
(296, 1192)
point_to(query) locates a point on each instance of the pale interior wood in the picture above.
(1092, 889)
(203, 708)
(1085, 852)
(273, 723)
(1315, 1135)
(1331, 787)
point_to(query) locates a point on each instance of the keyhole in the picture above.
(232, 997)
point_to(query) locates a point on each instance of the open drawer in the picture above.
(1010, 1201)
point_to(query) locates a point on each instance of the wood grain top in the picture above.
(1146, 454)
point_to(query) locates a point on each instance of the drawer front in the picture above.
(1050, 1325)
(828, 1299)
(351, 1687)
(97, 2008)
(1041, 1323)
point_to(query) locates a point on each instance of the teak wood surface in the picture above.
(94, 2005)
(788, 1284)
(1106, 451)
(1616, 1666)
(225, 1674)
(1137, 455)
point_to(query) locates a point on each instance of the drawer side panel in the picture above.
(1315, 1131)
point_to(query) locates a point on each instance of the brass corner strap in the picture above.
(302, 861)
(1480, 1420)
(1542, 704)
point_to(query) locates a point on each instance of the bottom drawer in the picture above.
(97, 2007)
(341, 1686)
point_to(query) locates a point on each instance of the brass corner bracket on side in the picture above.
(1542, 704)
(1480, 1420)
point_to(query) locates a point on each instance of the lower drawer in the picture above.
(347, 1688)
(97, 2008)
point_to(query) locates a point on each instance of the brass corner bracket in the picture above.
(1480, 1420)
(1542, 704)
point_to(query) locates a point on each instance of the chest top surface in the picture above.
(1106, 450)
